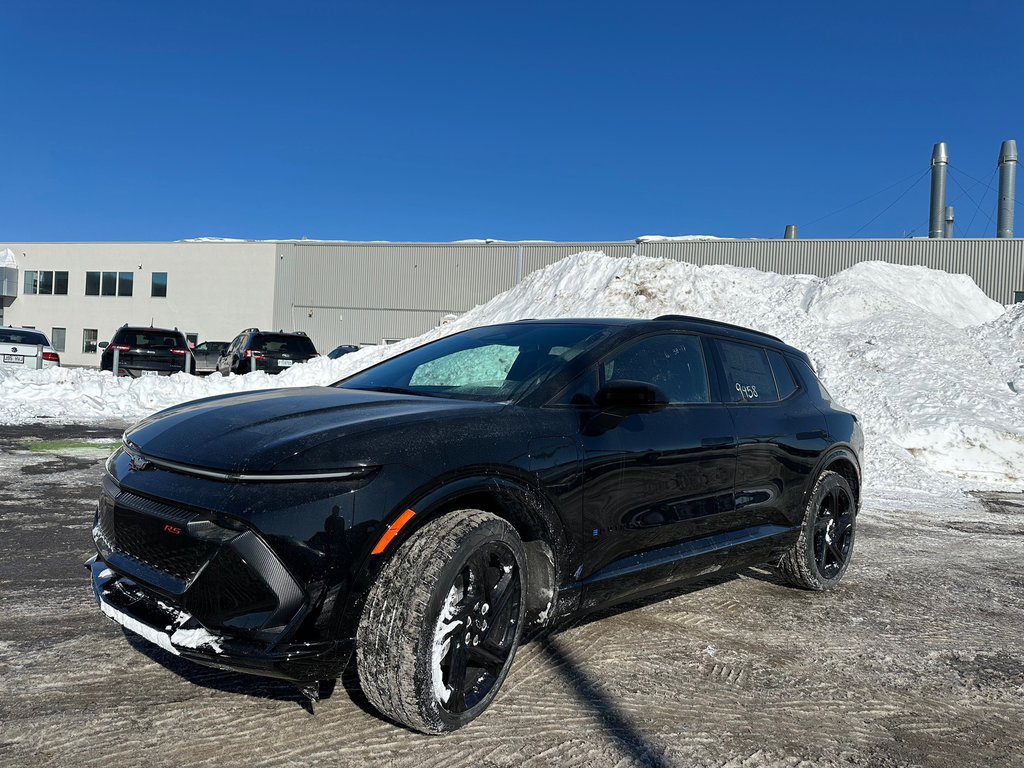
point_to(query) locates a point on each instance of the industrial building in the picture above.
(373, 293)
(376, 293)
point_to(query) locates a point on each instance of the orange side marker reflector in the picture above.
(392, 531)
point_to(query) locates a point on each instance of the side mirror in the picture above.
(625, 396)
(104, 344)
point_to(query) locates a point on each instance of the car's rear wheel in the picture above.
(822, 554)
(442, 622)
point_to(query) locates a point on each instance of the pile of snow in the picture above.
(7, 258)
(932, 365)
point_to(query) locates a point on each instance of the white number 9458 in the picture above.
(748, 391)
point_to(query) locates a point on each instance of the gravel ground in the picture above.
(916, 659)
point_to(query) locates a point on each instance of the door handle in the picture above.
(716, 442)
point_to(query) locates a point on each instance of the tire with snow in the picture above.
(442, 622)
(820, 556)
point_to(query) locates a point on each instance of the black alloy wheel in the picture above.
(442, 621)
(477, 629)
(822, 553)
(833, 531)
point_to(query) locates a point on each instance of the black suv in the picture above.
(147, 352)
(267, 351)
(428, 513)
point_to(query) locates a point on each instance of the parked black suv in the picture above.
(267, 351)
(147, 352)
(429, 512)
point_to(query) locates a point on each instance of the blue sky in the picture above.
(526, 120)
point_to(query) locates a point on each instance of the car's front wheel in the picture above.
(442, 622)
(821, 555)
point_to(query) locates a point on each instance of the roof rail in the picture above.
(247, 330)
(718, 323)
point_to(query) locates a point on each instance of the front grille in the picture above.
(152, 533)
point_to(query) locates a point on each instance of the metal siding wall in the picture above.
(353, 293)
(450, 277)
(997, 266)
(329, 327)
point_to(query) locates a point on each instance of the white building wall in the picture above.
(213, 289)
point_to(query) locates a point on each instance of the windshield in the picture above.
(12, 336)
(493, 363)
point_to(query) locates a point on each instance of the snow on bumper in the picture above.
(172, 638)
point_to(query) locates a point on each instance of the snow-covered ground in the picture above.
(934, 367)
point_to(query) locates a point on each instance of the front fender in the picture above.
(511, 495)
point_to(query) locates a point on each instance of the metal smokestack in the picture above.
(947, 229)
(1007, 188)
(940, 162)
(790, 232)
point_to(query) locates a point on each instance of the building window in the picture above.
(159, 284)
(89, 336)
(57, 338)
(108, 283)
(46, 282)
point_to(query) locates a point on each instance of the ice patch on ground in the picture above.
(931, 364)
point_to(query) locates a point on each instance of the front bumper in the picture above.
(151, 617)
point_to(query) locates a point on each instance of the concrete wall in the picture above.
(213, 289)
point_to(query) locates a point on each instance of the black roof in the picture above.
(687, 322)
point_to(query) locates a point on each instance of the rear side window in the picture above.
(812, 380)
(783, 375)
(149, 339)
(13, 336)
(281, 344)
(748, 374)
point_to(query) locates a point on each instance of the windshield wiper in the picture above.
(394, 391)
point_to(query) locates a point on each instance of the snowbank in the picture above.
(932, 365)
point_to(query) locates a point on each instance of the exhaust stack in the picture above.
(790, 232)
(947, 228)
(1007, 188)
(940, 163)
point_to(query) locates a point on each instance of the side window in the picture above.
(748, 375)
(783, 375)
(812, 380)
(673, 362)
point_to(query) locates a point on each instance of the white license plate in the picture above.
(283, 363)
(151, 373)
(14, 358)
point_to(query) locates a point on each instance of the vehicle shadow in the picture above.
(221, 680)
(764, 574)
(616, 723)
